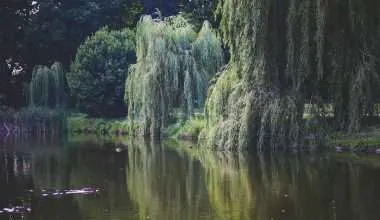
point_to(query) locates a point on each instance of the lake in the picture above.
(139, 179)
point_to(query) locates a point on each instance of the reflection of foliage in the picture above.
(227, 181)
(164, 184)
(101, 141)
(79, 167)
(179, 181)
(228, 185)
(279, 186)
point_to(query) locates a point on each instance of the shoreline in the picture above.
(367, 142)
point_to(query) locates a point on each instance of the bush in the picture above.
(80, 124)
(98, 73)
(186, 129)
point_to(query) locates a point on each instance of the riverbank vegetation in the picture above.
(28, 123)
(260, 75)
(277, 69)
(81, 124)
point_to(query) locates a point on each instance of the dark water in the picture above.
(148, 181)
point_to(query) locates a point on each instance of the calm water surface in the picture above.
(140, 180)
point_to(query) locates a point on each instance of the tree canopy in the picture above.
(174, 65)
(98, 73)
(282, 54)
(44, 31)
(59, 27)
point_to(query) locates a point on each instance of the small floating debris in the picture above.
(377, 151)
(341, 149)
(60, 193)
(121, 148)
(83, 191)
(15, 210)
(118, 149)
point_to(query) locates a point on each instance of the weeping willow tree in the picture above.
(44, 117)
(47, 87)
(174, 65)
(283, 53)
(353, 55)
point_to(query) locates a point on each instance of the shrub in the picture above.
(98, 73)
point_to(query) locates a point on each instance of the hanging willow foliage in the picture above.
(282, 54)
(174, 65)
(47, 87)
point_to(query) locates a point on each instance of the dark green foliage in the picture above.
(133, 11)
(14, 17)
(44, 31)
(97, 75)
(59, 27)
(198, 11)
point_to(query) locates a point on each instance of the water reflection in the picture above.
(228, 185)
(165, 184)
(171, 181)
(30, 177)
(184, 183)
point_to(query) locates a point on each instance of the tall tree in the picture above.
(44, 31)
(282, 50)
(174, 65)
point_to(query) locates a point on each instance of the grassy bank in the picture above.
(188, 130)
(81, 124)
(367, 140)
(180, 129)
(185, 130)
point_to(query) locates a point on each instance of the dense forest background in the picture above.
(242, 73)
(42, 32)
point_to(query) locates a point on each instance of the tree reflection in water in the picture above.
(171, 181)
